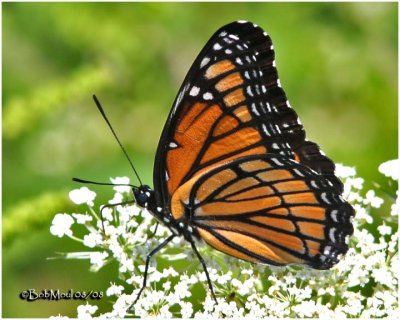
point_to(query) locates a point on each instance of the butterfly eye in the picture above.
(142, 195)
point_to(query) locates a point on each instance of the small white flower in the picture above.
(98, 258)
(107, 213)
(370, 198)
(114, 290)
(167, 285)
(165, 313)
(61, 225)
(121, 306)
(85, 311)
(82, 195)
(82, 218)
(224, 278)
(354, 183)
(186, 309)
(126, 264)
(121, 180)
(305, 309)
(344, 172)
(384, 229)
(182, 290)
(116, 249)
(118, 198)
(92, 239)
(391, 169)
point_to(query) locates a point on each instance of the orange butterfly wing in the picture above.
(231, 108)
(231, 105)
(267, 209)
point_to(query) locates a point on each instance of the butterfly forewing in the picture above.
(233, 163)
(231, 105)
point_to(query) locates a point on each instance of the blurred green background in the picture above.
(336, 61)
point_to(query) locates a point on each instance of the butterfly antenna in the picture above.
(115, 136)
(103, 183)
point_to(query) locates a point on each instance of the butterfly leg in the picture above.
(111, 206)
(154, 251)
(205, 270)
(153, 233)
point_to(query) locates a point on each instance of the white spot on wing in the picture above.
(332, 234)
(314, 184)
(242, 21)
(263, 89)
(327, 250)
(233, 36)
(217, 46)
(298, 172)
(324, 198)
(239, 61)
(208, 96)
(254, 109)
(227, 40)
(228, 51)
(194, 91)
(264, 127)
(334, 215)
(173, 145)
(246, 75)
(204, 62)
(249, 92)
(223, 34)
(276, 161)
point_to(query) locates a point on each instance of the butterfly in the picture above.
(233, 166)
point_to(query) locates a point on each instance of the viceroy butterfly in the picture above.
(233, 166)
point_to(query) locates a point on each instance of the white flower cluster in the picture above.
(363, 285)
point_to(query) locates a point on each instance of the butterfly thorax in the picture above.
(145, 198)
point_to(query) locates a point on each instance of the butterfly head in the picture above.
(143, 195)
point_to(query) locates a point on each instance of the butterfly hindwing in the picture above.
(231, 105)
(268, 209)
